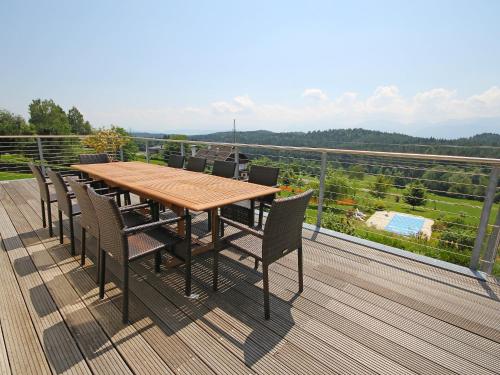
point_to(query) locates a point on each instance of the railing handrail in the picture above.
(401, 155)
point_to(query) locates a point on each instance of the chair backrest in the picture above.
(111, 226)
(224, 168)
(94, 158)
(263, 175)
(176, 161)
(283, 229)
(88, 215)
(40, 179)
(195, 164)
(63, 201)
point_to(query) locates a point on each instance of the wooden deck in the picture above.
(362, 312)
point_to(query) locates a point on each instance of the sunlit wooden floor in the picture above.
(362, 311)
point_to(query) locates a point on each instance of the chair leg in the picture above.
(265, 275)
(49, 217)
(256, 266)
(60, 227)
(301, 269)
(82, 257)
(44, 219)
(98, 257)
(251, 214)
(118, 199)
(158, 261)
(72, 234)
(125, 294)
(209, 221)
(102, 272)
(261, 214)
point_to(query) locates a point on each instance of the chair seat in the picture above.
(244, 204)
(245, 242)
(144, 243)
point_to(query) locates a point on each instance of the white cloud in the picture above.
(385, 104)
(316, 94)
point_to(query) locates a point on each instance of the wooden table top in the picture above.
(193, 190)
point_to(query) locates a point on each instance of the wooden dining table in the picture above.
(177, 189)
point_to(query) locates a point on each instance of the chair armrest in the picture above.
(132, 206)
(145, 227)
(242, 227)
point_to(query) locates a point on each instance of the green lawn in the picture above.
(4, 176)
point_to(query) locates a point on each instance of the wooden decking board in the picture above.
(362, 311)
(327, 283)
(433, 273)
(409, 350)
(24, 350)
(101, 356)
(251, 317)
(59, 346)
(483, 310)
(190, 363)
(338, 297)
(252, 331)
(4, 358)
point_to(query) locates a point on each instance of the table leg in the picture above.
(181, 226)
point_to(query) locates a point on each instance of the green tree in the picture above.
(77, 123)
(380, 186)
(130, 148)
(338, 186)
(414, 194)
(12, 124)
(48, 118)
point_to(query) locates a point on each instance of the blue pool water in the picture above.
(405, 225)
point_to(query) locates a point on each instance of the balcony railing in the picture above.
(362, 194)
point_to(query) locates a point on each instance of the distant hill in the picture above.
(368, 140)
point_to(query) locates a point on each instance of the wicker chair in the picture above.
(244, 211)
(101, 159)
(195, 164)
(94, 158)
(126, 244)
(88, 221)
(224, 168)
(281, 235)
(46, 196)
(176, 161)
(65, 205)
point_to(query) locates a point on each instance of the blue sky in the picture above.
(192, 66)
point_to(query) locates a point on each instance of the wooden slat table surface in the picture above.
(193, 190)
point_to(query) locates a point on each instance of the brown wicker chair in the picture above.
(281, 235)
(244, 211)
(195, 164)
(65, 205)
(176, 161)
(126, 244)
(46, 196)
(101, 159)
(224, 168)
(88, 220)
(94, 158)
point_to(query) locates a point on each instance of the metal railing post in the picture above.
(121, 153)
(40, 154)
(321, 195)
(147, 151)
(485, 216)
(237, 161)
(183, 152)
(492, 248)
(193, 150)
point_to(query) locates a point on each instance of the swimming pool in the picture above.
(405, 225)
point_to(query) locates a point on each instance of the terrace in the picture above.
(366, 307)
